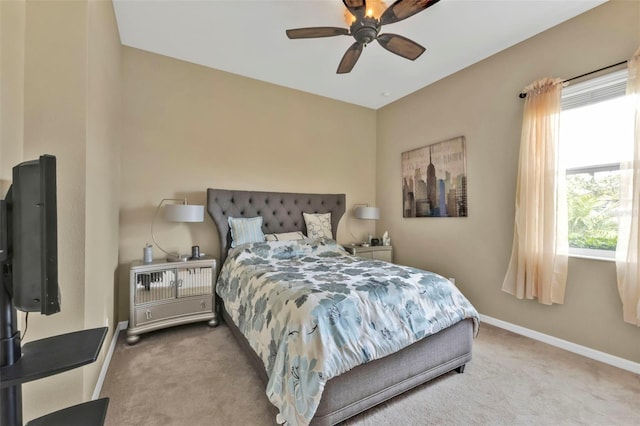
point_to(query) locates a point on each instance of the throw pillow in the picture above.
(318, 225)
(245, 230)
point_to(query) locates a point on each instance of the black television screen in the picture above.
(31, 236)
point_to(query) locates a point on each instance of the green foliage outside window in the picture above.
(592, 203)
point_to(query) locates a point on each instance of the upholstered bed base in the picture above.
(370, 384)
(366, 385)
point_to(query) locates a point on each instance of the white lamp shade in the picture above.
(183, 213)
(365, 212)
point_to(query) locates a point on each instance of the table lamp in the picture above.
(183, 212)
(364, 211)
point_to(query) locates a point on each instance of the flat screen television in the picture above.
(29, 237)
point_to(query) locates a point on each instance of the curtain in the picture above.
(539, 256)
(627, 254)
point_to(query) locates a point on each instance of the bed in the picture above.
(361, 386)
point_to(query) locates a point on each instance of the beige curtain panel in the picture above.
(539, 257)
(627, 254)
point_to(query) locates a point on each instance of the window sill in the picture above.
(594, 256)
(583, 256)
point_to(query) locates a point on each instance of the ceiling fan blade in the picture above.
(356, 7)
(401, 46)
(314, 32)
(350, 58)
(402, 9)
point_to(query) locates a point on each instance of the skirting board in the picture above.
(603, 357)
(122, 325)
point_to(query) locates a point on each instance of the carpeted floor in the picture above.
(195, 375)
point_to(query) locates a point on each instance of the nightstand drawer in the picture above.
(177, 308)
(382, 255)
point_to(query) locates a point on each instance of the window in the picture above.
(596, 126)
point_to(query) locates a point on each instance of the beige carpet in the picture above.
(194, 375)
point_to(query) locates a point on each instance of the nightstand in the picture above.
(164, 294)
(372, 252)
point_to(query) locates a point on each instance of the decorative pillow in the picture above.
(285, 236)
(246, 230)
(318, 225)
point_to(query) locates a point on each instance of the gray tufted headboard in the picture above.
(281, 211)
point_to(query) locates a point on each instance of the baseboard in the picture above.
(603, 357)
(122, 325)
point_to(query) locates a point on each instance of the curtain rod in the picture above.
(523, 95)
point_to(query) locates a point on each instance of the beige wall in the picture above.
(102, 199)
(66, 106)
(54, 123)
(187, 128)
(12, 17)
(481, 103)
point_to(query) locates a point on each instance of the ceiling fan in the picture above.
(366, 28)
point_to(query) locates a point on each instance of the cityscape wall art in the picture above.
(434, 180)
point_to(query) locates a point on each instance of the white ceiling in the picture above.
(247, 37)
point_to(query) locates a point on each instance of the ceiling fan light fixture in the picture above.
(375, 8)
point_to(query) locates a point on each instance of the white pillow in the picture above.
(285, 236)
(245, 230)
(318, 225)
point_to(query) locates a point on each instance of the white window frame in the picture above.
(588, 92)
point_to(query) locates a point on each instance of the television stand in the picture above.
(87, 413)
(42, 358)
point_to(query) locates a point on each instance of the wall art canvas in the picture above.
(434, 180)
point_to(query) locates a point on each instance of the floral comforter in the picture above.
(311, 311)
